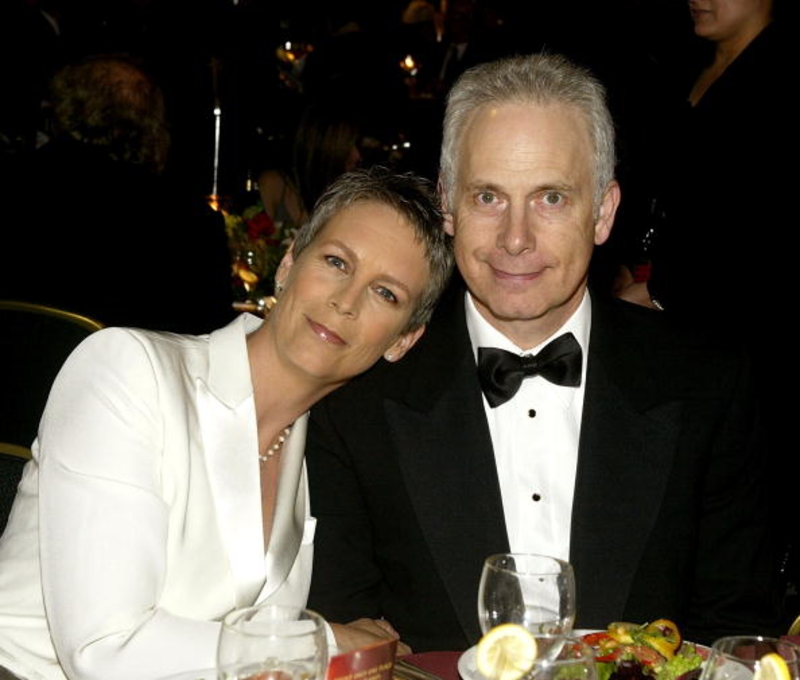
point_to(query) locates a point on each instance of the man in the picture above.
(637, 464)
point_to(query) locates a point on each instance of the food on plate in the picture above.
(506, 652)
(628, 651)
(772, 667)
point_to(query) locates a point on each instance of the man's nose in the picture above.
(517, 233)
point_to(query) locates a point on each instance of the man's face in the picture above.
(523, 220)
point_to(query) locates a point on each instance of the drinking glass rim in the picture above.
(565, 567)
(233, 617)
(744, 639)
(758, 638)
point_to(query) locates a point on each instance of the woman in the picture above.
(727, 259)
(717, 256)
(166, 463)
(731, 26)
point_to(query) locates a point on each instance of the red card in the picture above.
(368, 663)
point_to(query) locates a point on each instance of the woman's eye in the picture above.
(335, 261)
(553, 198)
(386, 294)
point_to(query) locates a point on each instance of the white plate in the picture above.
(468, 670)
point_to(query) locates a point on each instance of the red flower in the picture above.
(260, 226)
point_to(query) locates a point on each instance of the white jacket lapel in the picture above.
(230, 446)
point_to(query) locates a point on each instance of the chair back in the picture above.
(34, 342)
(12, 460)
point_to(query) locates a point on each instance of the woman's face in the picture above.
(349, 295)
(720, 20)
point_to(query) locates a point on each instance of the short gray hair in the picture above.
(414, 198)
(539, 79)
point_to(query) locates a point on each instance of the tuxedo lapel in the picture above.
(439, 418)
(230, 445)
(626, 451)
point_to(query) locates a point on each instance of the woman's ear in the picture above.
(404, 343)
(283, 268)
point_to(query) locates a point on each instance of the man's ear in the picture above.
(605, 216)
(448, 216)
(404, 343)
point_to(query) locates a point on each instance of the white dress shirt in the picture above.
(535, 437)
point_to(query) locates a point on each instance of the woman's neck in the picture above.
(281, 394)
(729, 49)
(725, 53)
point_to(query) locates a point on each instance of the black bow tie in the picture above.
(501, 373)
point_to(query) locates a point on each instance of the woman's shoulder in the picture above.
(142, 343)
(134, 358)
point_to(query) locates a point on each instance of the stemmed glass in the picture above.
(534, 591)
(272, 642)
(739, 657)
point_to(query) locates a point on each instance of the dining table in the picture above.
(443, 665)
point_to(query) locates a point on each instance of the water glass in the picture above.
(534, 591)
(738, 657)
(272, 642)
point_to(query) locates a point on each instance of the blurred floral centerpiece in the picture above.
(257, 244)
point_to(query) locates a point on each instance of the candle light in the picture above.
(217, 125)
(409, 65)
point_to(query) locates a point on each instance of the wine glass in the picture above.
(534, 591)
(738, 657)
(272, 642)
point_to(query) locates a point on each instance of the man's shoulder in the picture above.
(623, 322)
(649, 347)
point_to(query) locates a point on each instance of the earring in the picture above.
(389, 357)
(278, 287)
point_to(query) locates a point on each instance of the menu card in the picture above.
(368, 663)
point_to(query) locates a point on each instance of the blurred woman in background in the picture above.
(325, 146)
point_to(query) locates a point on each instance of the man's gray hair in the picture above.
(414, 198)
(539, 79)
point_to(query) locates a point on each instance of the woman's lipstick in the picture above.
(325, 333)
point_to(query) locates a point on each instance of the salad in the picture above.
(652, 651)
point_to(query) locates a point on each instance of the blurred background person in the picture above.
(325, 146)
(92, 225)
(723, 256)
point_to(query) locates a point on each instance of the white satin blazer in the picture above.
(138, 523)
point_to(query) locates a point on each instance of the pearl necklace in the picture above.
(276, 447)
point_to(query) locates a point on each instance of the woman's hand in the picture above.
(364, 632)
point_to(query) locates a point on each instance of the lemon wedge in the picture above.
(507, 652)
(772, 667)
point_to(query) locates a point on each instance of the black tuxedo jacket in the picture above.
(668, 516)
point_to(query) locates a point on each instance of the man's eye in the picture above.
(386, 294)
(553, 198)
(335, 261)
(487, 198)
